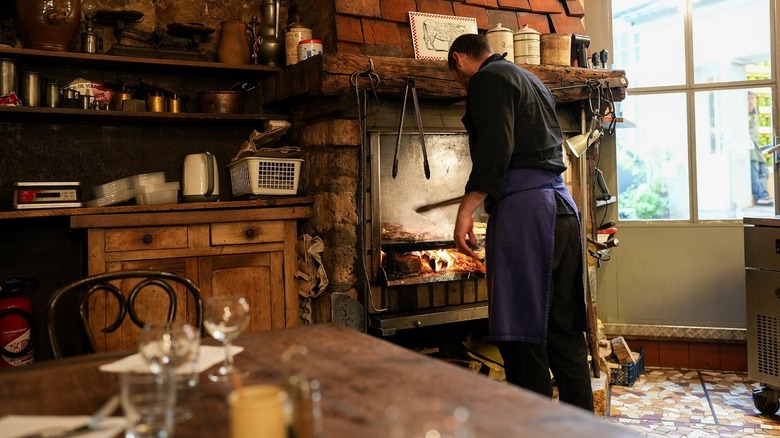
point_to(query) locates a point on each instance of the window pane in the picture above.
(734, 177)
(648, 41)
(652, 158)
(728, 37)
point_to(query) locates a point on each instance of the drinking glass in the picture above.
(224, 318)
(173, 346)
(148, 401)
(436, 418)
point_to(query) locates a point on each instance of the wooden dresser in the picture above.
(226, 251)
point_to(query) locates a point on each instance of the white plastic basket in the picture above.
(265, 176)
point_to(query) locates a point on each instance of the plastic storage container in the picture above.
(107, 199)
(145, 179)
(112, 187)
(114, 192)
(165, 193)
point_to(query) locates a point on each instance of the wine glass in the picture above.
(173, 347)
(224, 318)
(170, 345)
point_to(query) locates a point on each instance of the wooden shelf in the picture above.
(332, 75)
(129, 63)
(34, 114)
(253, 203)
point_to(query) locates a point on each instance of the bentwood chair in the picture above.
(106, 300)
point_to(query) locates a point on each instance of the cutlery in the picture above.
(61, 432)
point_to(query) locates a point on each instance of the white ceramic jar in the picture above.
(526, 42)
(500, 40)
(308, 48)
(296, 33)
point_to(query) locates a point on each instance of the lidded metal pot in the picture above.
(527, 49)
(500, 40)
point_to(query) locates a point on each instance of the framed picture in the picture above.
(433, 34)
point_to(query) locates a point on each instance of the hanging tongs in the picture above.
(426, 167)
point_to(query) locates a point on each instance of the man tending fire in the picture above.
(536, 299)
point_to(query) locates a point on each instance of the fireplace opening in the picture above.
(413, 242)
(418, 278)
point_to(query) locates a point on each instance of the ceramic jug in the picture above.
(47, 24)
(233, 45)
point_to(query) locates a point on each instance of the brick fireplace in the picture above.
(327, 125)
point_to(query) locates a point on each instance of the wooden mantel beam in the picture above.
(329, 75)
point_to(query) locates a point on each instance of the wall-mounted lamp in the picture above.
(580, 143)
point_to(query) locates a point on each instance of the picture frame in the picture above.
(432, 34)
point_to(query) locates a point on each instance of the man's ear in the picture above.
(458, 57)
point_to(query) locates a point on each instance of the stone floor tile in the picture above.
(691, 404)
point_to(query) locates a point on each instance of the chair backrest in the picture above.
(116, 295)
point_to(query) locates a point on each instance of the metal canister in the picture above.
(31, 88)
(526, 45)
(84, 101)
(8, 76)
(120, 97)
(52, 95)
(174, 104)
(70, 99)
(155, 103)
(500, 40)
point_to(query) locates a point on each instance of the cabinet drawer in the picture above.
(147, 238)
(242, 233)
(762, 248)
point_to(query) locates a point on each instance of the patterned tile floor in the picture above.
(691, 404)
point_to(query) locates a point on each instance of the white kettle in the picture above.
(200, 178)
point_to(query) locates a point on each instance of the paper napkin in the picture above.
(14, 426)
(208, 356)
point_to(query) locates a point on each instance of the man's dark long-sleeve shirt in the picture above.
(511, 121)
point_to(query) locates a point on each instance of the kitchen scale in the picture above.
(180, 41)
(31, 195)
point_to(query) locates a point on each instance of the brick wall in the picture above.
(381, 27)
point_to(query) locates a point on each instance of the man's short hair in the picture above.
(470, 44)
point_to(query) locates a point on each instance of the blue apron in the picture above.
(519, 255)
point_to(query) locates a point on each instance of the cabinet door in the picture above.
(151, 304)
(257, 276)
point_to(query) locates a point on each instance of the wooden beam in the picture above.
(331, 74)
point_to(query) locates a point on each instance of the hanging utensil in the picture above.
(418, 114)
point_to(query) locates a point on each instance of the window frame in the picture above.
(604, 37)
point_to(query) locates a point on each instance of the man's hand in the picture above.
(464, 222)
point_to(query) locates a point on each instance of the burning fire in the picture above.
(434, 261)
(447, 260)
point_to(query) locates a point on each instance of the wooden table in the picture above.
(360, 376)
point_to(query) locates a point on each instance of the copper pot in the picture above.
(223, 102)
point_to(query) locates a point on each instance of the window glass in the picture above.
(731, 39)
(648, 41)
(652, 158)
(734, 175)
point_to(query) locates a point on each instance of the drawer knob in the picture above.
(148, 238)
(250, 233)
